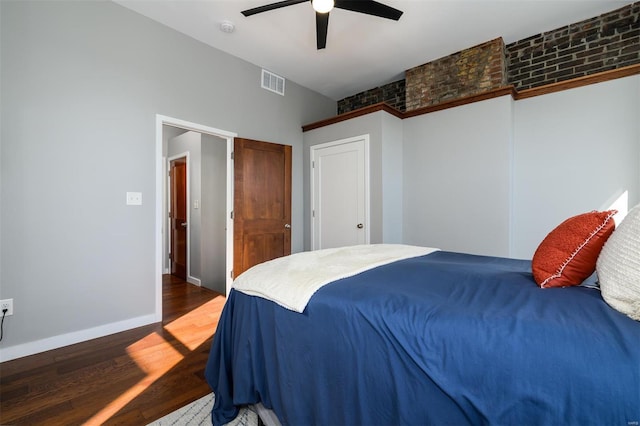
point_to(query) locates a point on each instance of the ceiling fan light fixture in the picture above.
(322, 6)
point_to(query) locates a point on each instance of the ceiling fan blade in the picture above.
(322, 24)
(271, 6)
(370, 7)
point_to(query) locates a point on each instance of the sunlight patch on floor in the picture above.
(145, 352)
(183, 327)
(155, 356)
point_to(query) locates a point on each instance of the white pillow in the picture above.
(618, 266)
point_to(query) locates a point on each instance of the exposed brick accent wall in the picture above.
(392, 94)
(606, 42)
(609, 41)
(469, 72)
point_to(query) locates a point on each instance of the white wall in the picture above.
(575, 151)
(392, 182)
(457, 178)
(494, 177)
(81, 85)
(214, 213)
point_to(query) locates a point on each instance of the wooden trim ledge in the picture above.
(579, 82)
(353, 114)
(490, 94)
(495, 93)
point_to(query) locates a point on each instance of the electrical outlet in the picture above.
(8, 305)
(134, 198)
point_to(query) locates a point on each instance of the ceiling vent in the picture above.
(272, 82)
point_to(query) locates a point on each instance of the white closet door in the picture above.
(340, 193)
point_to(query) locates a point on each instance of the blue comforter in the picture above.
(443, 339)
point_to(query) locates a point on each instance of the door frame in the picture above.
(161, 172)
(367, 199)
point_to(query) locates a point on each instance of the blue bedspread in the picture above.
(443, 339)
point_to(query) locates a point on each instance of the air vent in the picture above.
(272, 82)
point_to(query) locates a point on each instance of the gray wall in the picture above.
(81, 85)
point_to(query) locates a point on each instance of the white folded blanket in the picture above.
(290, 281)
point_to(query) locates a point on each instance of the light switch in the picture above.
(134, 198)
(196, 204)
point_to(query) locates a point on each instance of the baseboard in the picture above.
(38, 346)
(194, 281)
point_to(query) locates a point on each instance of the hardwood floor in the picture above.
(131, 378)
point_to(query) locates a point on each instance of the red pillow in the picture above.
(568, 255)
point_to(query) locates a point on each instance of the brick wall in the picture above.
(469, 72)
(393, 94)
(606, 42)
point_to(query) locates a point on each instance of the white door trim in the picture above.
(161, 171)
(367, 203)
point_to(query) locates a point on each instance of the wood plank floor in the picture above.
(131, 378)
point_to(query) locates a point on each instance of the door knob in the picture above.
(183, 224)
(287, 226)
(360, 226)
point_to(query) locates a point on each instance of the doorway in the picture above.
(178, 220)
(195, 249)
(222, 137)
(340, 193)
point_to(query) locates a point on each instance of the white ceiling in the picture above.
(362, 51)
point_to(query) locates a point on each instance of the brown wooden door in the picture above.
(262, 203)
(178, 217)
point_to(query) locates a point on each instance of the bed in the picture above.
(440, 338)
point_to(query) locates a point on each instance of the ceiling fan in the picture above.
(323, 7)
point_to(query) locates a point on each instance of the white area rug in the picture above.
(199, 413)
